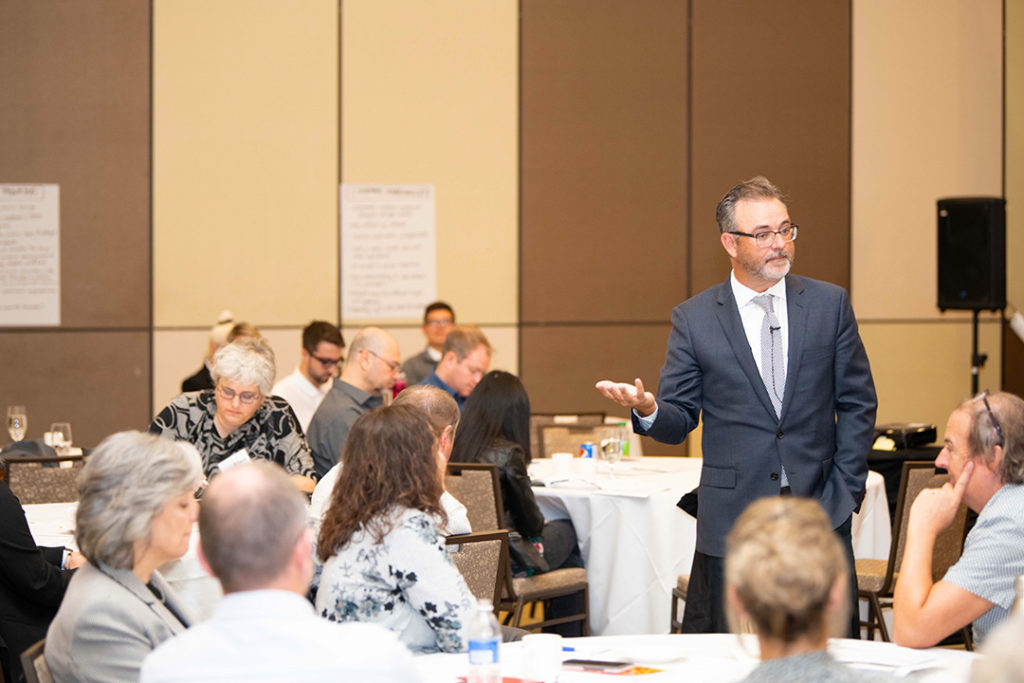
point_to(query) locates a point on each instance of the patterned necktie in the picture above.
(773, 372)
(772, 369)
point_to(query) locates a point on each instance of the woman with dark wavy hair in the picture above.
(384, 560)
(495, 429)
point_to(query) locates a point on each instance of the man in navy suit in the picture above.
(783, 385)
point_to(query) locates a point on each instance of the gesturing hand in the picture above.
(629, 396)
(934, 509)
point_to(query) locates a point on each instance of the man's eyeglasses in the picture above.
(247, 397)
(328, 362)
(444, 322)
(394, 365)
(766, 238)
(983, 397)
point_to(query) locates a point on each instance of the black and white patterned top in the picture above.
(272, 433)
(407, 583)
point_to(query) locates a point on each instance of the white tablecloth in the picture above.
(636, 542)
(709, 657)
(53, 524)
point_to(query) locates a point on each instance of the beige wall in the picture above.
(927, 123)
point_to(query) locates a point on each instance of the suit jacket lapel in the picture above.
(797, 314)
(167, 613)
(729, 317)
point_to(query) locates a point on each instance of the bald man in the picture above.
(255, 541)
(372, 367)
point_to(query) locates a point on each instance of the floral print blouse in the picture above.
(272, 433)
(407, 583)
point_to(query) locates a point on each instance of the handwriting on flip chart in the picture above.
(29, 255)
(388, 262)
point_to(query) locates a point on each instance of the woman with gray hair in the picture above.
(136, 510)
(238, 420)
(785, 571)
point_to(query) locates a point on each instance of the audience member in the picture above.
(496, 430)
(255, 541)
(306, 387)
(238, 420)
(443, 414)
(384, 560)
(32, 582)
(786, 572)
(984, 453)
(218, 338)
(465, 357)
(438, 319)
(371, 368)
(135, 512)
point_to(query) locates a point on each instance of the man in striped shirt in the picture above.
(984, 453)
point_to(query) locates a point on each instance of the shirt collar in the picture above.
(434, 354)
(744, 295)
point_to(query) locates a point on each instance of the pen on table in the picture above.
(566, 648)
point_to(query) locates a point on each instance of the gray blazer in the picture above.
(828, 411)
(109, 621)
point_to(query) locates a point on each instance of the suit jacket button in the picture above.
(775, 476)
(779, 434)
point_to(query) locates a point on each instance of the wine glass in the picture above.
(17, 422)
(61, 434)
(611, 452)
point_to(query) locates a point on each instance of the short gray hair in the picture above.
(464, 339)
(126, 481)
(249, 521)
(437, 403)
(1008, 411)
(247, 360)
(757, 187)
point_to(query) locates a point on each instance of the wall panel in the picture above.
(771, 96)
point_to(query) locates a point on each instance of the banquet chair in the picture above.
(567, 438)
(678, 596)
(482, 557)
(485, 511)
(34, 664)
(876, 579)
(44, 480)
(476, 486)
(538, 420)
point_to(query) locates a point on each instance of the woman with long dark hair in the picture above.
(384, 560)
(495, 428)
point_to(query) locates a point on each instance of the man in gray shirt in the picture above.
(371, 368)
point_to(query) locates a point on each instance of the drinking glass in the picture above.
(61, 435)
(611, 452)
(17, 422)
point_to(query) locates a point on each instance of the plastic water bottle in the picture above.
(484, 638)
(623, 440)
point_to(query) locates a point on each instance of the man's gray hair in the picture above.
(463, 339)
(249, 521)
(757, 187)
(438, 404)
(126, 481)
(1008, 411)
(247, 360)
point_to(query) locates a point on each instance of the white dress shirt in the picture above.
(275, 635)
(303, 397)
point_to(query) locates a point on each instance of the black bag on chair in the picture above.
(526, 559)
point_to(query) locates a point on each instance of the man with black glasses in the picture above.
(984, 453)
(305, 388)
(774, 367)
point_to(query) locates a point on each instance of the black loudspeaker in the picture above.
(972, 253)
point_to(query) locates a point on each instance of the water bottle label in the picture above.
(483, 652)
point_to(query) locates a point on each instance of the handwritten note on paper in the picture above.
(388, 264)
(29, 255)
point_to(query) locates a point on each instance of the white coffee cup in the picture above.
(542, 656)
(563, 465)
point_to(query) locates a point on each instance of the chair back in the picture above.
(567, 438)
(482, 558)
(476, 486)
(44, 479)
(915, 478)
(538, 420)
(34, 664)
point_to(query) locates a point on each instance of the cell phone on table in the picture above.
(603, 665)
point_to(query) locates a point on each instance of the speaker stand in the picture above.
(977, 359)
